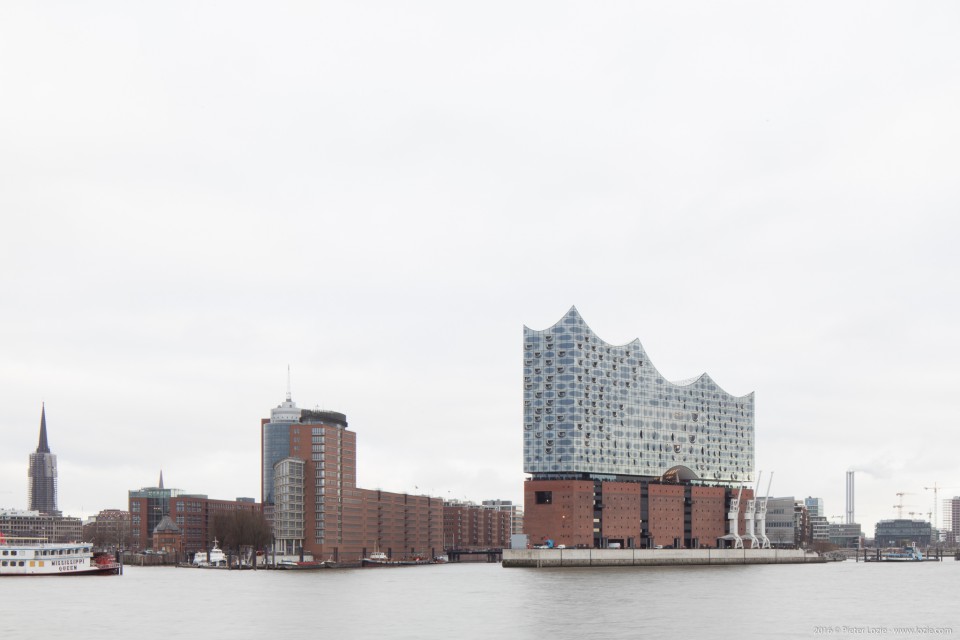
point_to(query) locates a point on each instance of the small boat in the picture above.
(37, 557)
(215, 559)
(380, 559)
(306, 565)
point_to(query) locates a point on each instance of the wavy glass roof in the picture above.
(594, 408)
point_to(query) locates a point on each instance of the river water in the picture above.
(465, 601)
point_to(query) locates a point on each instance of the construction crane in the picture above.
(899, 505)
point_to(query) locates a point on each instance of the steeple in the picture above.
(43, 447)
(161, 479)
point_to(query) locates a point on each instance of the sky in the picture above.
(380, 195)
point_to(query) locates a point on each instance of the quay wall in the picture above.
(538, 558)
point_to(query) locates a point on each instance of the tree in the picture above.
(241, 528)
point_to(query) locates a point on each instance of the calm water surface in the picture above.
(486, 601)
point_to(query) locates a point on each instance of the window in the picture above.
(544, 497)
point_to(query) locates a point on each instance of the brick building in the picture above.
(193, 514)
(310, 494)
(639, 514)
(467, 525)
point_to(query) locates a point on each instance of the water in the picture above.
(465, 601)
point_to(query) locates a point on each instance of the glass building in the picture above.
(593, 409)
(275, 443)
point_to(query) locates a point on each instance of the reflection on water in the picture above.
(483, 601)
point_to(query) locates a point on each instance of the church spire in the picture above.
(43, 447)
(161, 479)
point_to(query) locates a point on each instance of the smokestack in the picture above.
(850, 518)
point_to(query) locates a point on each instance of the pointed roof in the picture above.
(166, 524)
(43, 447)
(161, 479)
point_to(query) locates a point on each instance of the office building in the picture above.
(902, 532)
(192, 513)
(620, 456)
(846, 536)
(310, 494)
(782, 522)
(42, 473)
(16, 523)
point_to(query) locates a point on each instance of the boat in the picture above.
(37, 557)
(215, 559)
(306, 565)
(907, 554)
(380, 559)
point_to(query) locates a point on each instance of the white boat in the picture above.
(215, 558)
(907, 554)
(37, 557)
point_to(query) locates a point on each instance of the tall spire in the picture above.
(161, 479)
(43, 447)
(289, 397)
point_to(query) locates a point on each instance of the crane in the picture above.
(899, 505)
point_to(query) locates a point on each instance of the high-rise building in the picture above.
(591, 408)
(42, 488)
(619, 455)
(310, 494)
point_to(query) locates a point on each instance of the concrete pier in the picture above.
(538, 558)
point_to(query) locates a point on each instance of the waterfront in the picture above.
(466, 601)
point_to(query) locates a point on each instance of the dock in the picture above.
(544, 558)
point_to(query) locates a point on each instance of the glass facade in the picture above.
(276, 447)
(592, 408)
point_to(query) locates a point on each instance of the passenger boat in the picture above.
(907, 554)
(37, 557)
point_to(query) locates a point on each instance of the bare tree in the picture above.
(239, 529)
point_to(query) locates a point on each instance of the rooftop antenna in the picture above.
(288, 384)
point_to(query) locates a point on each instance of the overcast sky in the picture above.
(381, 194)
